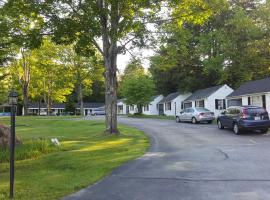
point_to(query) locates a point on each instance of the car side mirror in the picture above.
(181, 112)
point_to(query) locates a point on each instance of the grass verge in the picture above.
(85, 156)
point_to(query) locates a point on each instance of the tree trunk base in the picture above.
(107, 132)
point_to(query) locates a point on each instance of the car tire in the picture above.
(178, 120)
(236, 129)
(264, 131)
(193, 120)
(220, 126)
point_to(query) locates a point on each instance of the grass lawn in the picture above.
(153, 116)
(85, 156)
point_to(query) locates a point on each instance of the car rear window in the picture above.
(202, 110)
(251, 113)
(255, 111)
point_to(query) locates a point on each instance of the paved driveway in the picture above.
(189, 162)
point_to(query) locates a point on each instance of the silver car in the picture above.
(98, 111)
(195, 115)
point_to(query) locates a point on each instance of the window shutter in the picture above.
(203, 103)
(195, 103)
(182, 106)
(216, 104)
(249, 101)
(264, 101)
(224, 103)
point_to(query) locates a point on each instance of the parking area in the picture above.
(190, 162)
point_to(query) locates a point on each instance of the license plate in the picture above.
(257, 118)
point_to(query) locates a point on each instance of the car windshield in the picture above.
(202, 110)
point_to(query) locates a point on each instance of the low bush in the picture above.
(30, 149)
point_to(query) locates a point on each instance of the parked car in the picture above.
(240, 118)
(98, 111)
(195, 115)
(43, 113)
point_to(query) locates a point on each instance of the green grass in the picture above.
(85, 156)
(152, 116)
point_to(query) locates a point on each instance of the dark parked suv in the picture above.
(244, 118)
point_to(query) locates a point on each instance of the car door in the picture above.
(190, 113)
(232, 116)
(182, 115)
(224, 118)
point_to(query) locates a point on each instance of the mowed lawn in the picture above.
(85, 156)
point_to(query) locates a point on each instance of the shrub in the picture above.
(31, 149)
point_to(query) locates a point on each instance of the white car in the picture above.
(98, 111)
(195, 115)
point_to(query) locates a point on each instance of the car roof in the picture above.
(247, 106)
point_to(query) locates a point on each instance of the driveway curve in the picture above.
(189, 162)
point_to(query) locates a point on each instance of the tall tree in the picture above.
(53, 78)
(82, 68)
(113, 24)
(20, 29)
(229, 47)
(21, 69)
(138, 89)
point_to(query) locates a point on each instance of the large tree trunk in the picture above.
(111, 91)
(110, 24)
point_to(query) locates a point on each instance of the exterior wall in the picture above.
(124, 111)
(267, 99)
(135, 110)
(221, 93)
(153, 106)
(176, 105)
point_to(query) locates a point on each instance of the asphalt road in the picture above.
(189, 162)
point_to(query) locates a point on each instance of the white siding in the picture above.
(221, 93)
(134, 110)
(153, 106)
(245, 99)
(267, 98)
(176, 104)
(124, 111)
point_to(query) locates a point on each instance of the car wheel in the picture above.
(193, 120)
(178, 120)
(220, 126)
(236, 129)
(263, 131)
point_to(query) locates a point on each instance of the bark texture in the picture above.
(110, 21)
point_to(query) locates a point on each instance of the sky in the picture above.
(124, 59)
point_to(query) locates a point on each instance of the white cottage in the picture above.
(121, 107)
(152, 107)
(171, 104)
(256, 93)
(212, 98)
(124, 109)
